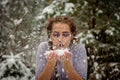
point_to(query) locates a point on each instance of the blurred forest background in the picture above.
(22, 28)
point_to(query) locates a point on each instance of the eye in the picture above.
(56, 34)
(66, 34)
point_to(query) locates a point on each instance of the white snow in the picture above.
(86, 37)
(92, 56)
(69, 7)
(26, 47)
(47, 53)
(4, 2)
(59, 52)
(12, 36)
(17, 21)
(98, 76)
(110, 31)
(117, 15)
(14, 64)
(56, 8)
(26, 9)
(40, 17)
(63, 70)
(96, 66)
(48, 10)
(85, 4)
(100, 11)
(41, 55)
(84, 61)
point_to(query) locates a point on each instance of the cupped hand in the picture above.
(51, 56)
(66, 57)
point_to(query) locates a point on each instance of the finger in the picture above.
(49, 56)
(67, 54)
(63, 57)
(54, 55)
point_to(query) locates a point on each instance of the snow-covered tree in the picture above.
(13, 68)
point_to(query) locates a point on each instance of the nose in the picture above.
(60, 38)
(61, 41)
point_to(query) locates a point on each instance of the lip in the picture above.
(61, 45)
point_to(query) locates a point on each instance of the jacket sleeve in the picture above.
(40, 60)
(80, 61)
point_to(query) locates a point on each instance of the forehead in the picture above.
(60, 27)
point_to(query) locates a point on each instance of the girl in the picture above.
(61, 58)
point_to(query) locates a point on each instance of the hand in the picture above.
(51, 56)
(66, 57)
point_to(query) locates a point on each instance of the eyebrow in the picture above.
(65, 32)
(62, 32)
(55, 31)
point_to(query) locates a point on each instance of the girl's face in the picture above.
(61, 35)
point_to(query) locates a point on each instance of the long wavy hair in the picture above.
(62, 19)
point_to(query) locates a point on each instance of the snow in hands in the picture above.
(59, 52)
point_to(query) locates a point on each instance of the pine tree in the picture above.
(13, 68)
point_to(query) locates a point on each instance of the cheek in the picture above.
(68, 41)
(55, 42)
